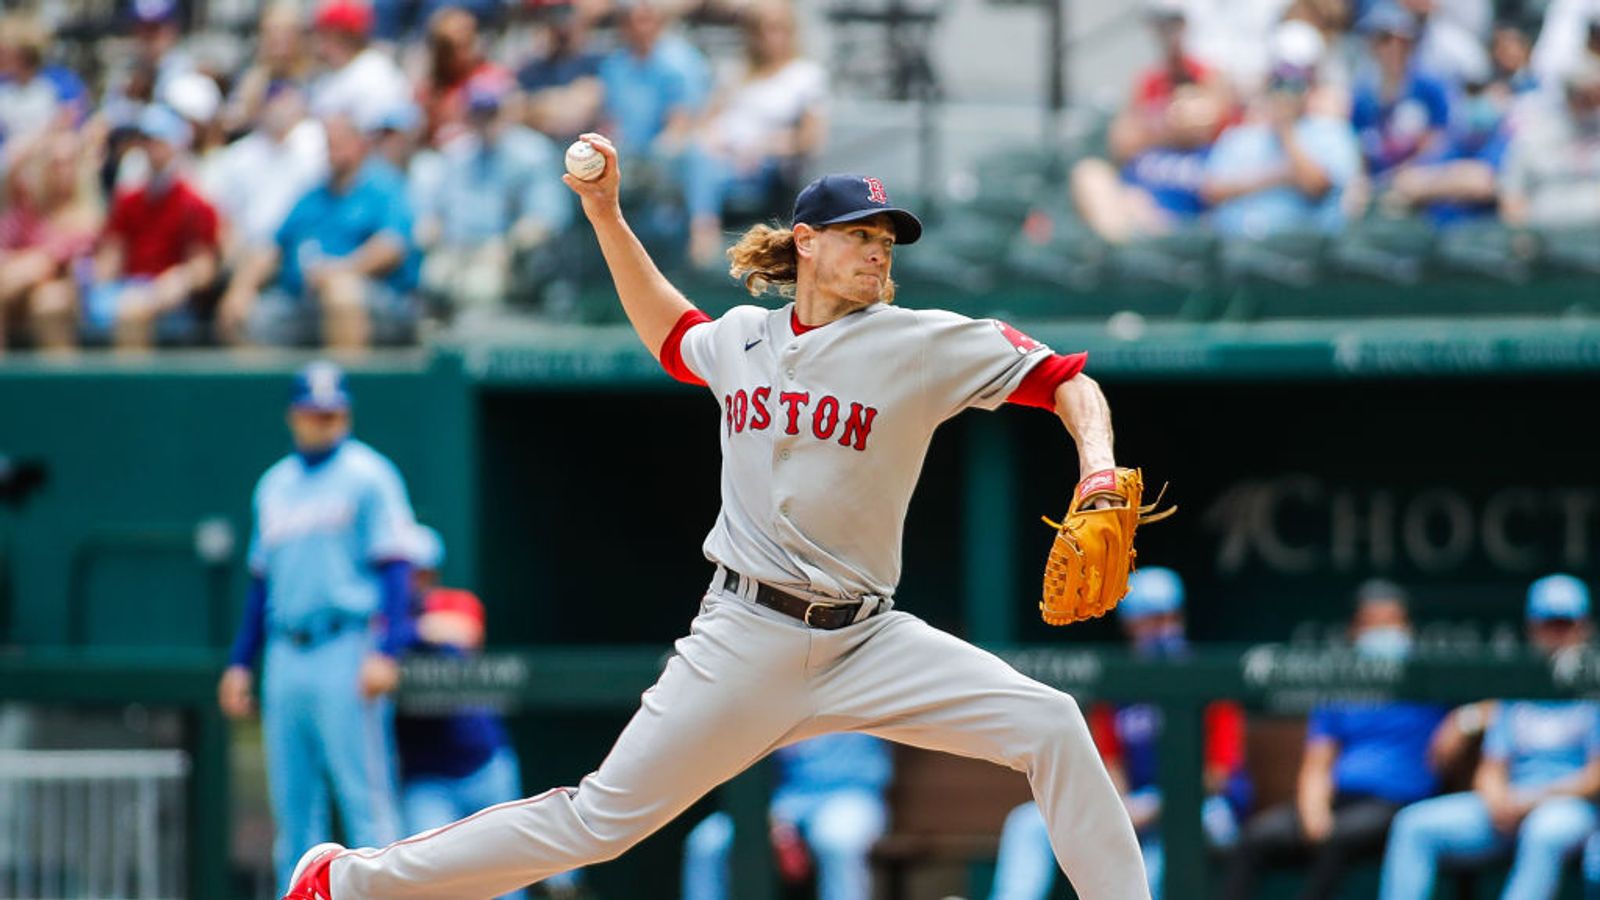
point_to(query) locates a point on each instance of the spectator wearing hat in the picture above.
(286, 143)
(455, 59)
(1284, 168)
(159, 247)
(157, 40)
(1552, 170)
(1233, 38)
(1535, 784)
(282, 59)
(1151, 185)
(1362, 763)
(560, 83)
(344, 258)
(1399, 112)
(491, 199)
(1127, 736)
(458, 761)
(396, 141)
(359, 80)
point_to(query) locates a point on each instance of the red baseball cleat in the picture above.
(310, 878)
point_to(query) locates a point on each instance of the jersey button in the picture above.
(783, 454)
(783, 509)
(789, 373)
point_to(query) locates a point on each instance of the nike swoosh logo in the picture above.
(752, 344)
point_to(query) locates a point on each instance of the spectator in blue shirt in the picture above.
(1282, 169)
(492, 195)
(829, 798)
(345, 259)
(654, 84)
(1399, 113)
(1534, 786)
(1362, 763)
(561, 85)
(1459, 181)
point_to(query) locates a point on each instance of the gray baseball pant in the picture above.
(745, 681)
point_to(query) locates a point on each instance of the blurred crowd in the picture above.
(1305, 116)
(373, 166)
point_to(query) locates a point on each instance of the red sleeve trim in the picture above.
(1038, 387)
(1224, 729)
(672, 347)
(1103, 729)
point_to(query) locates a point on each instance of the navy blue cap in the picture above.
(320, 386)
(833, 199)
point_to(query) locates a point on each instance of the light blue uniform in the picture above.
(320, 533)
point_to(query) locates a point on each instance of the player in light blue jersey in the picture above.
(329, 588)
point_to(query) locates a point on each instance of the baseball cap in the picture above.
(1390, 18)
(454, 600)
(153, 12)
(346, 16)
(193, 96)
(320, 386)
(1557, 597)
(1297, 43)
(1152, 591)
(485, 93)
(161, 123)
(833, 199)
(405, 117)
(427, 548)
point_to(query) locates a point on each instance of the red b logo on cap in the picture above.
(875, 191)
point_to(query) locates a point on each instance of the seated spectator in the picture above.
(30, 101)
(761, 127)
(1399, 113)
(282, 60)
(285, 143)
(1459, 181)
(344, 259)
(1552, 170)
(159, 247)
(1233, 38)
(1362, 763)
(396, 140)
(1282, 169)
(654, 84)
(495, 195)
(829, 799)
(158, 40)
(1158, 143)
(454, 764)
(561, 83)
(359, 80)
(454, 60)
(50, 222)
(1534, 786)
(1152, 619)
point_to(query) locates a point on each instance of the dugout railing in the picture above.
(1272, 677)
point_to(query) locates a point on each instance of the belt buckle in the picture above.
(806, 618)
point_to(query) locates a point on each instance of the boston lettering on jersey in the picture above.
(793, 411)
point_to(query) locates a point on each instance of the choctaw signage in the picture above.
(1300, 524)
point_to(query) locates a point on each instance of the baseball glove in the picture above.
(1086, 575)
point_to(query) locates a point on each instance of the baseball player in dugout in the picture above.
(828, 405)
(326, 615)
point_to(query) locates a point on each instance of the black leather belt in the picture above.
(320, 631)
(826, 616)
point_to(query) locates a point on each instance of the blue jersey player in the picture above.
(328, 599)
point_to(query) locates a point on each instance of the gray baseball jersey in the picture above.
(851, 406)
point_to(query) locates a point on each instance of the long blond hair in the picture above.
(765, 259)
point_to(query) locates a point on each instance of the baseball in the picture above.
(585, 162)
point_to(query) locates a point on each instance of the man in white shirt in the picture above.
(284, 143)
(360, 81)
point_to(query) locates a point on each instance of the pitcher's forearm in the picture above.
(652, 304)
(1083, 409)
